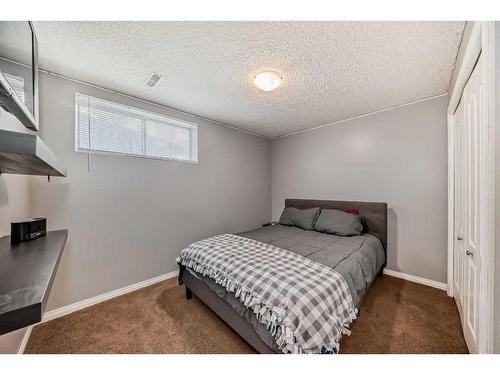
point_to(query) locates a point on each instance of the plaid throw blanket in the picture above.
(305, 305)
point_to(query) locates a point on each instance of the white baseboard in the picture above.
(24, 342)
(65, 310)
(416, 279)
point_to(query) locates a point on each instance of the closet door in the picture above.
(458, 250)
(472, 127)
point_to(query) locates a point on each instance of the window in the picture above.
(17, 84)
(106, 127)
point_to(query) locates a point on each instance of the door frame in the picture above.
(481, 42)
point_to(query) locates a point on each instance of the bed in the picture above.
(359, 259)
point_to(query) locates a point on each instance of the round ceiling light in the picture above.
(267, 80)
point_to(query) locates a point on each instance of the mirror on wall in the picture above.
(19, 71)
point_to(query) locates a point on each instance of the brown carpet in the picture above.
(397, 316)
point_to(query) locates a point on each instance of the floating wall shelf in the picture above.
(22, 153)
(27, 271)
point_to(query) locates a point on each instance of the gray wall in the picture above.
(14, 204)
(397, 156)
(497, 187)
(129, 217)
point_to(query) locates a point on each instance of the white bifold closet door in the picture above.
(459, 252)
(467, 251)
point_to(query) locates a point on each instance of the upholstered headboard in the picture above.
(375, 213)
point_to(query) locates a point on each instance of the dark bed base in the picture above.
(225, 312)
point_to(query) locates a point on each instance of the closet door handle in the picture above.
(469, 253)
(459, 238)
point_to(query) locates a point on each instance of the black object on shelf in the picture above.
(27, 270)
(28, 230)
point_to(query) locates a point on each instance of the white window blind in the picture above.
(106, 127)
(17, 84)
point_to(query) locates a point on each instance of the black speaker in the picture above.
(28, 230)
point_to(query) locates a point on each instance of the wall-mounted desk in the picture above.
(27, 271)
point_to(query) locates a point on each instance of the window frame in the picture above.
(143, 115)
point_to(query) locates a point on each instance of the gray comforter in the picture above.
(358, 259)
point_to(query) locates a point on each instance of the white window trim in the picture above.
(146, 115)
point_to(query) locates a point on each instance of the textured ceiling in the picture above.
(332, 70)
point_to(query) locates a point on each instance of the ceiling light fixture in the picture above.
(267, 80)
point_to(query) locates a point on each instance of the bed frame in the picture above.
(375, 215)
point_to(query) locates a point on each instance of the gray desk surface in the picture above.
(27, 271)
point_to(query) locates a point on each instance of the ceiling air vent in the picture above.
(153, 79)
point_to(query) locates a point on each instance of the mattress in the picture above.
(358, 259)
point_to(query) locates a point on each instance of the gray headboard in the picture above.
(375, 213)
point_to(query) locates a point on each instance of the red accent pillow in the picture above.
(352, 211)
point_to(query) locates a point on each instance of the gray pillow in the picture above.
(339, 222)
(304, 219)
